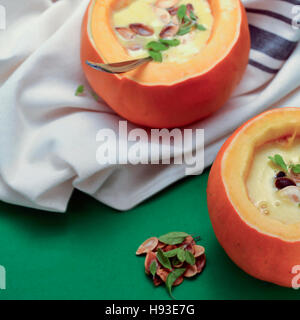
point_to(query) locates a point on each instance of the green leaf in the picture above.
(193, 16)
(156, 56)
(186, 19)
(173, 238)
(172, 277)
(95, 96)
(184, 30)
(79, 90)
(153, 268)
(278, 160)
(189, 258)
(156, 46)
(164, 261)
(181, 255)
(295, 168)
(181, 12)
(171, 253)
(200, 27)
(171, 43)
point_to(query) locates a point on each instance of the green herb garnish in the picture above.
(171, 253)
(189, 258)
(156, 56)
(184, 30)
(181, 12)
(95, 96)
(178, 254)
(187, 24)
(193, 16)
(278, 160)
(186, 19)
(79, 90)
(169, 266)
(173, 238)
(164, 261)
(153, 268)
(171, 42)
(172, 277)
(200, 27)
(181, 255)
(156, 46)
(295, 168)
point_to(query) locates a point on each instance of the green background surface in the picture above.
(89, 252)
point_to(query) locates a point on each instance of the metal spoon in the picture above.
(118, 67)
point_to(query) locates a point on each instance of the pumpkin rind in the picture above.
(264, 248)
(172, 104)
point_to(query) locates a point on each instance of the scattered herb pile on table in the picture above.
(172, 257)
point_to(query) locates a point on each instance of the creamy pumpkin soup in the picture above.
(167, 30)
(274, 180)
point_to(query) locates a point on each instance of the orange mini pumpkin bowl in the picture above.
(167, 94)
(265, 248)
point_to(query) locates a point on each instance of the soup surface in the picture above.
(161, 22)
(279, 203)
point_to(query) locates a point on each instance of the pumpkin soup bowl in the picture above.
(262, 240)
(167, 94)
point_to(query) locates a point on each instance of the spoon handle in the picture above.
(118, 67)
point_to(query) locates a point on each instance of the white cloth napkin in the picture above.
(48, 135)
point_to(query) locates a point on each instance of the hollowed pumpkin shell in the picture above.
(167, 94)
(266, 248)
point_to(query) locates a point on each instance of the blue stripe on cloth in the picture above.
(262, 67)
(271, 14)
(292, 1)
(271, 44)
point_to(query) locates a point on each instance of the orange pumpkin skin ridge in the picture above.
(263, 256)
(167, 106)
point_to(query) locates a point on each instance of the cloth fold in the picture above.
(48, 135)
